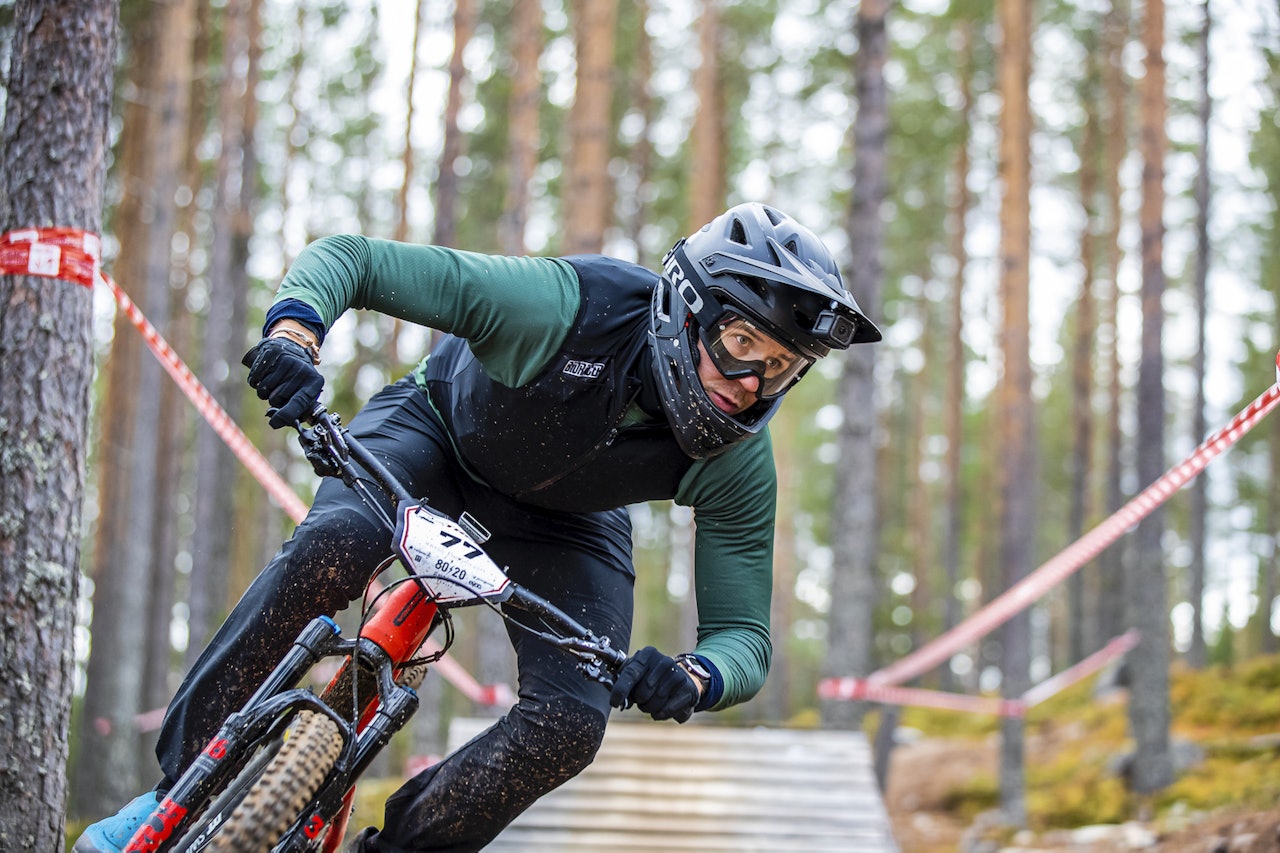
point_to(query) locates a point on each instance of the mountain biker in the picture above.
(565, 389)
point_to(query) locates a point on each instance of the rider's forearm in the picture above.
(735, 499)
(514, 311)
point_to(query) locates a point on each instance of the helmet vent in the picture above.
(793, 247)
(759, 287)
(738, 234)
(774, 216)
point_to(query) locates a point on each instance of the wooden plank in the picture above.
(661, 787)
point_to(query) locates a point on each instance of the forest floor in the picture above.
(925, 800)
(944, 791)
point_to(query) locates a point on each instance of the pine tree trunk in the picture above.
(223, 342)
(855, 545)
(1015, 404)
(1082, 368)
(587, 195)
(1197, 653)
(641, 156)
(1270, 566)
(773, 699)
(523, 137)
(1149, 712)
(953, 418)
(155, 133)
(707, 136)
(1146, 596)
(445, 232)
(53, 163)
(1112, 562)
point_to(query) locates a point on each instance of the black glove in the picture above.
(655, 684)
(280, 370)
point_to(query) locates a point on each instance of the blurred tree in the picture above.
(1197, 652)
(1146, 593)
(151, 156)
(53, 164)
(640, 156)
(587, 194)
(447, 189)
(525, 130)
(172, 433)
(1265, 153)
(1079, 613)
(953, 426)
(391, 325)
(225, 325)
(854, 541)
(401, 232)
(1110, 620)
(707, 141)
(1015, 405)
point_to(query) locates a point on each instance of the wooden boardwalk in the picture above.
(665, 787)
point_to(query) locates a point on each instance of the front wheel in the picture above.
(259, 805)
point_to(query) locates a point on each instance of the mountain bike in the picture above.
(280, 774)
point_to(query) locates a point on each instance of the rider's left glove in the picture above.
(282, 372)
(657, 685)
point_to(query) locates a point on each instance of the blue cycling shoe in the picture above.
(111, 834)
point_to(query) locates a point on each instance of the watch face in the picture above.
(694, 666)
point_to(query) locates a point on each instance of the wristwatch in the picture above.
(696, 668)
(302, 339)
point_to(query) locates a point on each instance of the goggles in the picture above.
(740, 348)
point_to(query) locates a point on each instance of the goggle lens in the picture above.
(740, 348)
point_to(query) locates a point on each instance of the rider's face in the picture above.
(731, 396)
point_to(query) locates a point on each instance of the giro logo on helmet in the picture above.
(675, 273)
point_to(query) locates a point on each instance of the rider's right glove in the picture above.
(657, 685)
(282, 373)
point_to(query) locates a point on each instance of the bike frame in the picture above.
(387, 641)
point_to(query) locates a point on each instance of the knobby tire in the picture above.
(279, 793)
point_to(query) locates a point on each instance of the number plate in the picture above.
(440, 552)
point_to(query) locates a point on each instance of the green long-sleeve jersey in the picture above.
(515, 313)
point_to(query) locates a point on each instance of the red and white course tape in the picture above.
(1031, 588)
(859, 689)
(73, 255)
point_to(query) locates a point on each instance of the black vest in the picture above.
(557, 442)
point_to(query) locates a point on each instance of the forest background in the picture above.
(1062, 214)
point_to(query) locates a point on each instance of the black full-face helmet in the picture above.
(753, 274)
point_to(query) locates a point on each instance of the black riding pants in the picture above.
(581, 562)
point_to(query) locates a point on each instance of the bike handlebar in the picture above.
(331, 449)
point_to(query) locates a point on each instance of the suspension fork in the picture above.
(397, 629)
